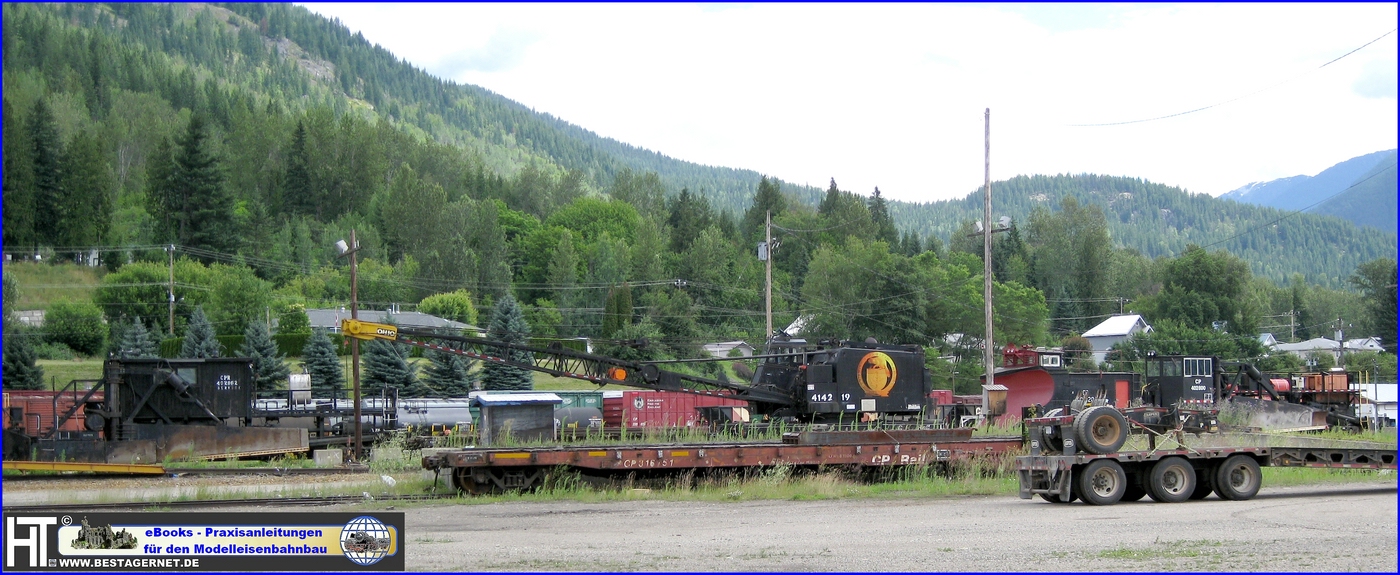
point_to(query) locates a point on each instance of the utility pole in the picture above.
(987, 254)
(355, 343)
(171, 289)
(1292, 334)
(768, 271)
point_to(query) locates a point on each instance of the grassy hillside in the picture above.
(43, 284)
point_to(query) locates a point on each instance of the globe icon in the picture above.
(365, 540)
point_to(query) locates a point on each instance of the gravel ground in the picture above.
(1349, 527)
(36, 491)
(1333, 527)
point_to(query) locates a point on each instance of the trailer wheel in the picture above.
(1101, 482)
(1205, 483)
(1238, 478)
(1172, 480)
(1053, 498)
(1100, 429)
(1134, 490)
(1050, 436)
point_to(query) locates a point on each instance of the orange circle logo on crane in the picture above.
(876, 374)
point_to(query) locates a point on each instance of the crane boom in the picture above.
(561, 362)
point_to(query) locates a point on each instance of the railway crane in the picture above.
(846, 381)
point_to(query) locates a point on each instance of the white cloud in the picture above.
(893, 95)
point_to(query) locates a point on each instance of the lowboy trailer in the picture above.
(1058, 472)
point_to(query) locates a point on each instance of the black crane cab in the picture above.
(1177, 379)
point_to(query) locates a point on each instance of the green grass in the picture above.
(58, 372)
(43, 284)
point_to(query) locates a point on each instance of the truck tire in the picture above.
(1238, 478)
(1056, 498)
(1173, 480)
(1102, 482)
(1100, 430)
(1050, 437)
(1205, 483)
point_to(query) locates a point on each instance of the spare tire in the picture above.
(1100, 429)
(1050, 436)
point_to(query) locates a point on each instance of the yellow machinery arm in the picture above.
(368, 330)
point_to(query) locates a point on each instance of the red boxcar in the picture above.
(34, 410)
(658, 408)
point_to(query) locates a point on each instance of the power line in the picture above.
(1237, 98)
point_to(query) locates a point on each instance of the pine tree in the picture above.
(21, 372)
(18, 181)
(617, 313)
(199, 338)
(269, 365)
(136, 342)
(884, 224)
(508, 326)
(50, 204)
(449, 374)
(767, 199)
(322, 363)
(386, 365)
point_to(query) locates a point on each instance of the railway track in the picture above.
(209, 503)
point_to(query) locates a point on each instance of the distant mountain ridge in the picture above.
(1370, 201)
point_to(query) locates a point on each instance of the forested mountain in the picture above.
(1370, 201)
(252, 137)
(1159, 220)
(1361, 189)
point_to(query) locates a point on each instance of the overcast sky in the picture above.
(893, 95)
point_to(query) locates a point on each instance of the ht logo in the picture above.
(36, 538)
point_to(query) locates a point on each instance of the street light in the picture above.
(345, 250)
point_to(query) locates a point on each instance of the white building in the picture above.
(722, 348)
(1113, 330)
(1332, 346)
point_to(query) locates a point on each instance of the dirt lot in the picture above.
(1349, 527)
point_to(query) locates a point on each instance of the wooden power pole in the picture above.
(987, 352)
(768, 272)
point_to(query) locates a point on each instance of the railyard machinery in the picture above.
(827, 382)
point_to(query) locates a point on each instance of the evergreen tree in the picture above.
(194, 193)
(831, 200)
(767, 199)
(449, 374)
(563, 276)
(508, 326)
(386, 365)
(18, 182)
(690, 215)
(50, 204)
(617, 314)
(322, 363)
(86, 181)
(269, 365)
(136, 342)
(21, 372)
(199, 338)
(297, 196)
(884, 224)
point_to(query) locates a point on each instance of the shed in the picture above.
(1113, 330)
(518, 416)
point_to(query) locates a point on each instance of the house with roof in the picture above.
(723, 348)
(1113, 330)
(1332, 346)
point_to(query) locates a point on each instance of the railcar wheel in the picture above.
(1238, 478)
(1172, 480)
(463, 480)
(1101, 429)
(1102, 482)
